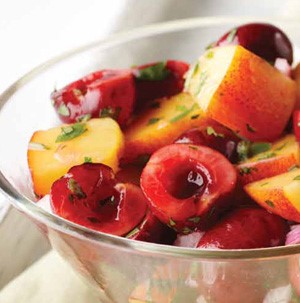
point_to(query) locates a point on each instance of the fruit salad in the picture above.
(203, 154)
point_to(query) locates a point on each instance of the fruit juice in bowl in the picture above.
(167, 178)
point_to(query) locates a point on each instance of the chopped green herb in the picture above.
(194, 219)
(297, 178)
(193, 147)
(156, 72)
(186, 230)
(270, 203)
(231, 35)
(87, 160)
(280, 147)
(259, 147)
(243, 150)
(37, 146)
(267, 156)
(84, 118)
(153, 121)
(293, 167)
(70, 132)
(195, 117)
(246, 170)
(172, 222)
(250, 128)
(210, 131)
(133, 232)
(190, 74)
(181, 108)
(110, 112)
(155, 105)
(202, 79)
(210, 45)
(266, 183)
(210, 54)
(184, 113)
(63, 110)
(75, 189)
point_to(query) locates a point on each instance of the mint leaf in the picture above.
(71, 131)
(243, 150)
(259, 147)
(110, 112)
(210, 131)
(153, 121)
(184, 113)
(156, 72)
(246, 170)
(270, 203)
(88, 160)
(75, 189)
(84, 118)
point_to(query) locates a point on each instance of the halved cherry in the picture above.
(265, 40)
(187, 185)
(160, 79)
(105, 93)
(90, 196)
(215, 136)
(246, 228)
(152, 230)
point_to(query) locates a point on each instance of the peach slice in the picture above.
(280, 194)
(243, 92)
(51, 153)
(278, 159)
(161, 124)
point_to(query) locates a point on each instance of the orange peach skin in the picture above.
(160, 126)
(279, 194)
(243, 92)
(285, 154)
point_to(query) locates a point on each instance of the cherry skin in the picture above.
(89, 195)
(246, 228)
(264, 40)
(216, 137)
(187, 185)
(105, 93)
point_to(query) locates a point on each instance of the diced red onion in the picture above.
(190, 240)
(293, 237)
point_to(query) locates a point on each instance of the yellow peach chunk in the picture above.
(161, 124)
(243, 92)
(51, 153)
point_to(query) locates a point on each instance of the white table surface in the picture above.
(32, 31)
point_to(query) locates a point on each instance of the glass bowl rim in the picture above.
(59, 224)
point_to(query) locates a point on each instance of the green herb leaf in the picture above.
(184, 113)
(195, 117)
(71, 131)
(270, 203)
(280, 147)
(297, 178)
(259, 147)
(63, 110)
(193, 147)
(153, 121)
(133, 232)
(110, 112)
(156, 72)
(210, 131)
(210, 45)
(87, 160)
(172, 222)
(194, 219)
(84, 118)
(250, 128)
(243, 148)
(210, 54)
(267, 156)
(37, 146)
(75, 189)
(186, 230)
(202, 79)
(266, 183)
(293, 167)
(231, 35)
(246, 170)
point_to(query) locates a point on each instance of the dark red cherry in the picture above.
(216, 136)
(90, 196)
(246, 228)
(265, 40)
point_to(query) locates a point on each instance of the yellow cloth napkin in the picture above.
(49, 280)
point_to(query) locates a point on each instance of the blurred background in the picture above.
(33, 31)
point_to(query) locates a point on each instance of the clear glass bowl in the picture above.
(118, 269)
